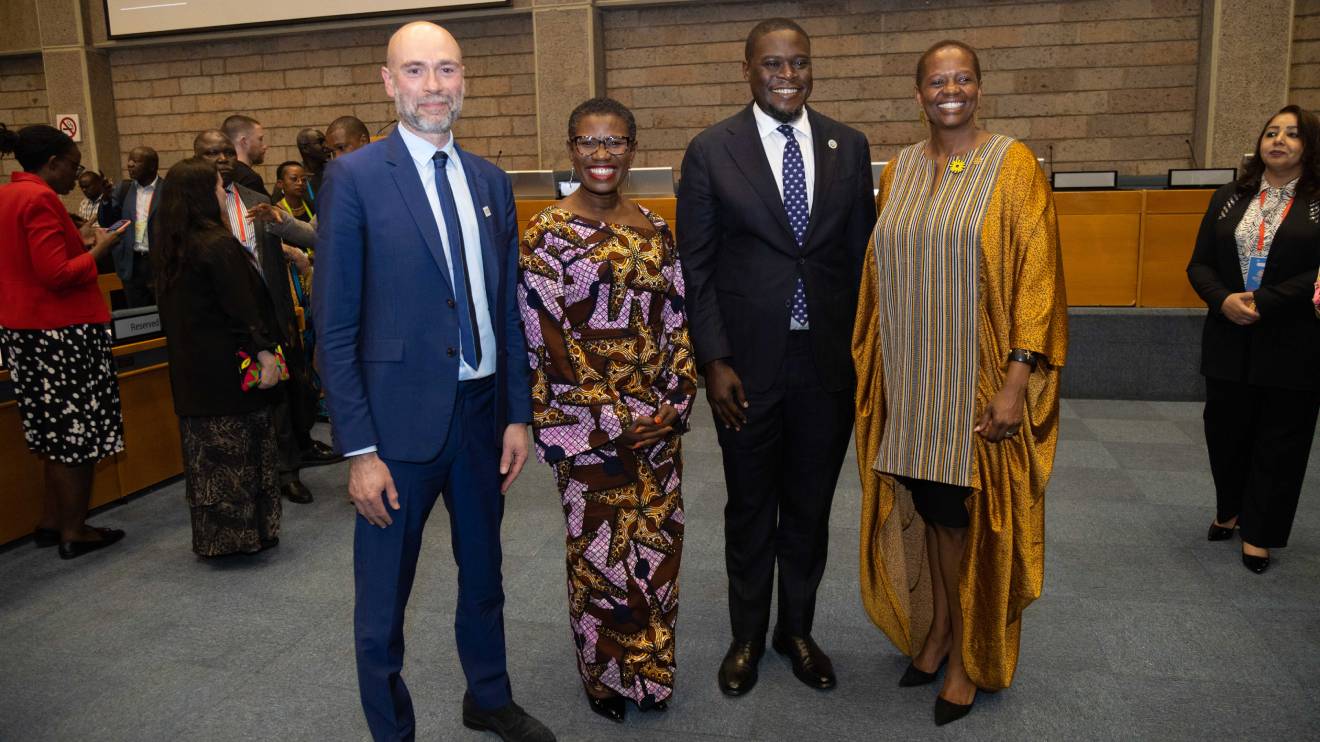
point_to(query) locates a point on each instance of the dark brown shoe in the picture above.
(297, 492)
(738, 670)
(811, 665)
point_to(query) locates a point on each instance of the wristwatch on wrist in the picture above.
(1023, 356)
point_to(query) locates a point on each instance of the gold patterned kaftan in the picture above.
(1019, 303)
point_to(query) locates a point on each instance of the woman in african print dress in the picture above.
(613, 378)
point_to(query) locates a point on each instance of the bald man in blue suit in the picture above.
(425, 373)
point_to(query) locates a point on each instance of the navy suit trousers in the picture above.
(466, 474)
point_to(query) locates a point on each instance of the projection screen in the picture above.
(143, 17)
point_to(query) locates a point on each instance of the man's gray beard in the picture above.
(443, 126)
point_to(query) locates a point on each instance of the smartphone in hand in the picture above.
(118, 225)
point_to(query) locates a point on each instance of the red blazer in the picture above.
(47, 277)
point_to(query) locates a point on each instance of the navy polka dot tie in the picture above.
(795, 204)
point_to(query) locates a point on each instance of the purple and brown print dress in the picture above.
(607, 340)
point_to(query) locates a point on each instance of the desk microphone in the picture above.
(498, 155)
(1051, 159)
(1191, 151)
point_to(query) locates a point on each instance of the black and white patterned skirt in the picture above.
(67, 391)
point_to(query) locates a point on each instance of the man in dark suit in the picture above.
(774, 211)
(135, 200)
(262, 234)
(425, 373)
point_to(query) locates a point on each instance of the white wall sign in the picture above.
(69, 124)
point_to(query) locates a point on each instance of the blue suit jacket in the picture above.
(386, 325)
(123, 252)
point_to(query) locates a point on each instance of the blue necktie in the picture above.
(458, 267)
(795, 204)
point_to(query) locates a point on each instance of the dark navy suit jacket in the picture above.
(386, 322)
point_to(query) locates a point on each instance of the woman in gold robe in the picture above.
(961, 332)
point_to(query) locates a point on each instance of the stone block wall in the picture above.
(22, 100)
(1304, 75)
(164, 95)
(1107, 84)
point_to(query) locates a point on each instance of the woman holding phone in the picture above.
(55, 335)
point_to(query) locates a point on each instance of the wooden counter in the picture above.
(151, 455)
(1100, 237)
(1168, 234)
(1120, 248)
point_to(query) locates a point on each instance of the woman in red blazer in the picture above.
(54, 335)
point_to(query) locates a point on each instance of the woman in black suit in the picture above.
(1255, 266)
(214, 306)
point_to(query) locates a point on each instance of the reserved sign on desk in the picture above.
(127, 328)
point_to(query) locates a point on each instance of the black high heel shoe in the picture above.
(612, 708)
(1219, 533)
(1256, 564)
(912, 677)
(948, 711)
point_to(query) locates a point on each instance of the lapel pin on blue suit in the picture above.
(486, 210)
(832, 144)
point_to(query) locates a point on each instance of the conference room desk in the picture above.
(1129, 248)
(151, 455)
(1120, 248)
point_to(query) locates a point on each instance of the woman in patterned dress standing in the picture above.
(960, 336)
(214, 305)
(612, 381)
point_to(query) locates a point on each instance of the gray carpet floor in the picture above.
(1145, 630)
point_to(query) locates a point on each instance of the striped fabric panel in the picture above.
(928, 255)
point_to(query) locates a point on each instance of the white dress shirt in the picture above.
(141, 215)
(774, 143)
(241, 225)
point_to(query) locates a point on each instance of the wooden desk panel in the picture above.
(1168, 234)
(152, 452)
(1100, 238)
(152, 449)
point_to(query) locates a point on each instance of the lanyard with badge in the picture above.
(1256, 262)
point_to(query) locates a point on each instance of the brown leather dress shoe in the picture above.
(297, 492)
(811, 665)
(738, 670)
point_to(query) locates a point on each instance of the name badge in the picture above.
(486, 210)
(1255, 269)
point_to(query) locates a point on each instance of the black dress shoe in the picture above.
(75, 549)
(738, 670)
(947, 711)
(509, 722)
(319, 454)
(613, 708)
(811, 665)
(658, 706)
(1255, 563)
(46, 537)
(1219, 533)
(912, 677)
(297, 492)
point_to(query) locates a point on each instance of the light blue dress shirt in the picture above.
(421, 152)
